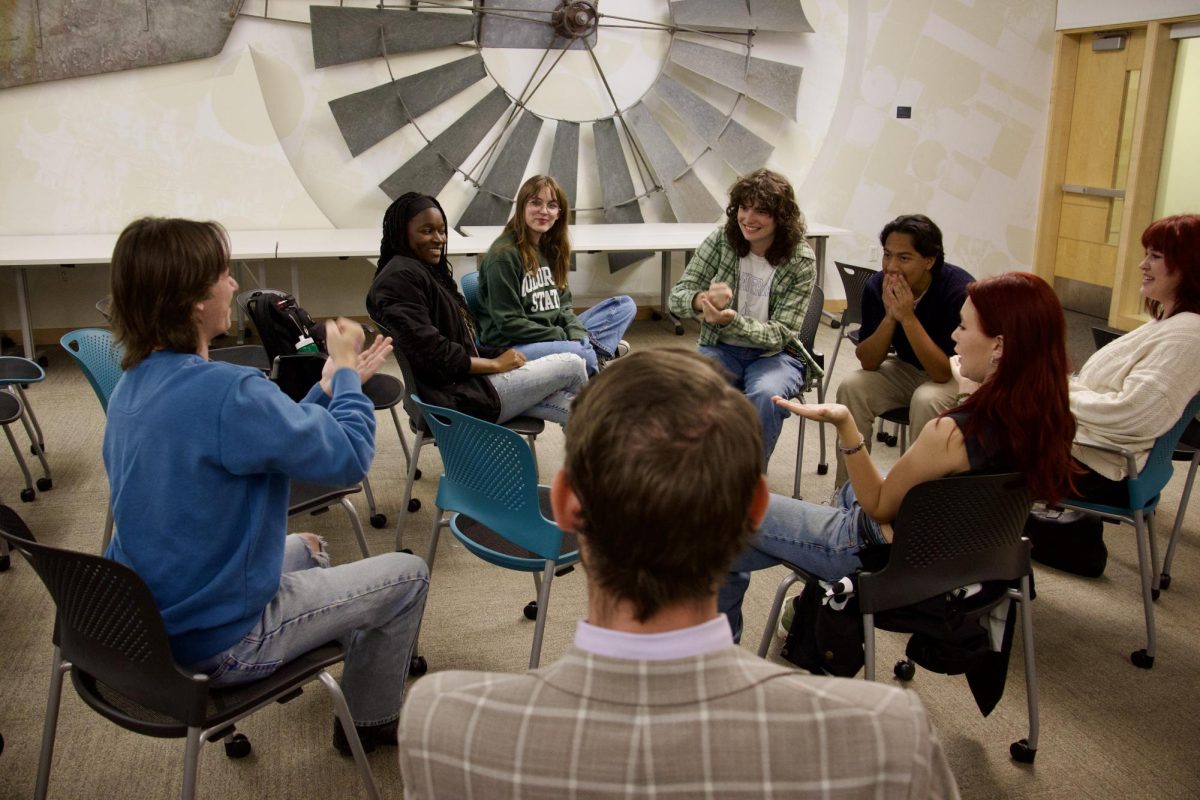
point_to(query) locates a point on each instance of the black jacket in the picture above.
(427, 326)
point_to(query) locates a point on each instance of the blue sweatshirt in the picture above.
(200, 456)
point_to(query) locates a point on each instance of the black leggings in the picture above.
(1096, 488)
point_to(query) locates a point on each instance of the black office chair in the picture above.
(949, 533)
(384, 391)
(109, 634)
(854, 280)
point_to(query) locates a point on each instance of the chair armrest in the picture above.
(1131, 469)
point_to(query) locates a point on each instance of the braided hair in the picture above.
(395, 244)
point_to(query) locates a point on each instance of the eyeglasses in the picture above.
(539, 204)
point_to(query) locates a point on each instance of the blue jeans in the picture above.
(761, 377)
(606, 321)
(821, 540)
(372, 606)
(542, 388)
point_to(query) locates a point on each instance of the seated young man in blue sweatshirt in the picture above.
(200, 456)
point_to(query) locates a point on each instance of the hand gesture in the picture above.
(371, 359)
(509, 360)
(720, 295)
(965, 385)
(834, 413)
(713, 315)
(898, 300)
(344, 340)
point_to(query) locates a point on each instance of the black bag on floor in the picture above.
(1075, 545)
(826, 634)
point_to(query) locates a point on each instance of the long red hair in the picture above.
(1178, 239)
(1025, 399)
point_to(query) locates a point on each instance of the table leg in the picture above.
(819, 251)
(23, 313)
(664, 309)
(296, 280)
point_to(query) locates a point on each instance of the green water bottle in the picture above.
(305, 344)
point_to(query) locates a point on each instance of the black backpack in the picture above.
(281, 323)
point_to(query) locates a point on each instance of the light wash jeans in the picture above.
(606, 321)
(542, 388)
(822, 540)
(372, 606)
(760, 378)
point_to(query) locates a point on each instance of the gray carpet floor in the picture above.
(1109, 730)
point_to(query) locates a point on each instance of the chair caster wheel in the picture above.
(890, 441)
(833, 323)
(417, 474)
(531, 609)
(881, 436)
(1021, 751)
(5, 563)
(1164, 581)
(1154, 593)
(27, 495)
(822, 469)
(1140, 659)
(905, 670)
(237, 746)
(418, 666)
(378, 520)
(35, 450)
(45, 484)
(414, 505)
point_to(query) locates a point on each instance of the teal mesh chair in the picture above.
(99, 356)
(470, 290)
(490, 499)
(1144, 493)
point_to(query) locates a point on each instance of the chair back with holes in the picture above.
(1144, 489)
(491, 477)
(410, 382)
(98, 354)
(109, 627)
(470, 290)
(949, 533)
(854, 281)
(812, 320)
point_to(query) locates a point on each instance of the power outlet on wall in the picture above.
(873, 253)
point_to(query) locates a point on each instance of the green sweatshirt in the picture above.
(516, 307)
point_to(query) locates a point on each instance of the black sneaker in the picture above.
(371, 736)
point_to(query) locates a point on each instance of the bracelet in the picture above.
(849, 451)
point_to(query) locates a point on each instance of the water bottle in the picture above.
(305, 344)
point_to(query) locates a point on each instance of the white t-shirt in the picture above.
(753, 296)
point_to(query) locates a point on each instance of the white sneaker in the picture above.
(622, 348)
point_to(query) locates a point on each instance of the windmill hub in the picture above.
(575, 20)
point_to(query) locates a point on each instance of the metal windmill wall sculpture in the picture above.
(711, 40)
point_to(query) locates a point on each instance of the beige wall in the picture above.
(1179, 184)
(247, 138)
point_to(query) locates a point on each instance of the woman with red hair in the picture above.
(1133, 390)
(1011, 343)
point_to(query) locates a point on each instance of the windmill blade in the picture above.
(429, 170)
(491, 204)
(341, 35)
(368, 117)
(564, 158)
(764, 15)
(737, 147)
(616, 186)
(772, 83)
(687, 196)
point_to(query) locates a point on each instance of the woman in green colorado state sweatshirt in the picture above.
(524, 301)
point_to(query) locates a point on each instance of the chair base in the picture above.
(1022, 752)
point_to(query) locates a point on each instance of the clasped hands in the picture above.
(344, 341)
(713, 304)
(898, 300)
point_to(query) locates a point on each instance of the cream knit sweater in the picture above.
(1132, 391)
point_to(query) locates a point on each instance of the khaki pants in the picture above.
(869, 393)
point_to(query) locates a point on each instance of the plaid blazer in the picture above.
(726, 724)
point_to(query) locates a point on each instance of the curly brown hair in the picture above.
(770, 193)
